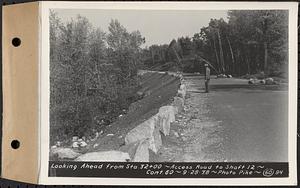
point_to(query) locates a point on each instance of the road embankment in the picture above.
(137, 134)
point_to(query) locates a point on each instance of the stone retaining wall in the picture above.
(147, 135)
(150, 130)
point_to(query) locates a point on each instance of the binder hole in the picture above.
(16, 42)
(15, 144)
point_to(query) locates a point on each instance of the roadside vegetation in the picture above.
(93, 75)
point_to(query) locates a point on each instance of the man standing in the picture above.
(206, 76)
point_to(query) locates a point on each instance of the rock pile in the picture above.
(267, 81)
(78, 142)
(224, 76)
(63, 153)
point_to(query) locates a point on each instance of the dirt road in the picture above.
(234, 122)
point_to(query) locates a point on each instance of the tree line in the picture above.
(251, 41)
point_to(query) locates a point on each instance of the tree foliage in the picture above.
(92, 75)
(251, 41)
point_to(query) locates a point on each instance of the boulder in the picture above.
(172, 74)
(180, 77)
(75, 145)
(262, 81)
(130, 149)
(146, 130)
(178, 103)
(253, 81)
(221, 76)
(108, 156)
(63, 153)
(142, 152)
(269, 81)
(58, 143)
(155, 142)
(141, 72)
(83, 144)
(166, 115)
(182, 87)
(182, 91)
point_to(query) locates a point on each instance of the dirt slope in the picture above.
(158, 90)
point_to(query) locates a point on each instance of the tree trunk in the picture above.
(231, 52)
(98, 76)
(85, 85)
(163, 56)
(177, 56)
(248, 65)
(221, 52)
(247, 61)
(239, 60)
(265, 29)
(217, 57)
(265, 57)
(152, 56)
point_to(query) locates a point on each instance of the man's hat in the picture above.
(206, 64)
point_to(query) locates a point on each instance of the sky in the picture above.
(157, 26)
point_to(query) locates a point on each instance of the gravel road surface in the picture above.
(233, 122)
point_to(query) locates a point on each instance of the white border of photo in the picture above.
(45, 91)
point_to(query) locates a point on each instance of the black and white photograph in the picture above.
(159, 86)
